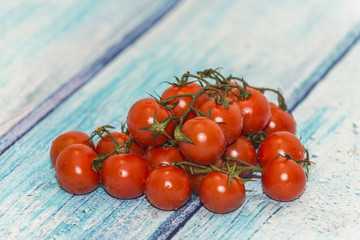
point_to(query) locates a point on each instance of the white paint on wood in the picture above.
(253, 38)
(44, 44)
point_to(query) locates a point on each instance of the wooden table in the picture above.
(75, 64)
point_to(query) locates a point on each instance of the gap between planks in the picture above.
(179, 218)
(176, 221)
(79, 80)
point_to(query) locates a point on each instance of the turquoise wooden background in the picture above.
(74, 64)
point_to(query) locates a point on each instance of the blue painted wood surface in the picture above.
(44, 45)
(292, 45)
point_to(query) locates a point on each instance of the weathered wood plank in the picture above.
(36, 114)
(186, 40)
(328, 123)
(44, 45)
(329, 126)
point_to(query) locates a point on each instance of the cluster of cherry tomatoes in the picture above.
(205, 136)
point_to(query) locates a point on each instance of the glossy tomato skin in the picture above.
(281, 142)
(216, 195)
(184, 102)
(243, 150)
(283, 179)
(141, 115)
(208, 138)
(168, 187)
(163, 155)
(255, 110)
(65, 140)
(230, 120)
(279, 121)
(106, 144)
(124, 175)
(74, 169)
(196, 178)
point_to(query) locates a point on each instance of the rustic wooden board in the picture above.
(44, 45)
(32, 205)
(328, 123)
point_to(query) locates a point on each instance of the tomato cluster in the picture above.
(204, 136)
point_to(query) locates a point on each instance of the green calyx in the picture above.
(220, 91)
(256, 138)
(158, 127)
(119, 148)
(231, 166)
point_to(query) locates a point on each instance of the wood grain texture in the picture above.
(258, 43)
(45, 44)
(329, 126)
(81, 78)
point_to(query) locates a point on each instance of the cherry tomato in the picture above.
(217, 196)
(67, 139)
(255, 110)
(209, 141)
(74, 169)
(184, 102)
(279, 121)
(141, 115)
(196, 181)
(230, 120)
(283, 179)
(196, 178)
(106, 144)
(243, 150)
(168, 187)
(163, 155)
(281, 142)
(124, 175)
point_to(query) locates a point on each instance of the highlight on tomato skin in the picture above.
(156, 156)
(74, 169)
(242, 150)
(208, 138)
(168, 188)
(106, 144)
(178, 151)
(124, 175)
(141, 115)
(255, 110)
(184, 102)
(279, 121)
(66, 139)
(280, 143)
(229, 120)
(196, 178)
(216, 195)
(283, 179)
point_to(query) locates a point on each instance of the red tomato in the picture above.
(67, 139)
(106, 144)
(281, 142)
(279, 121)
(124, 175)
(283, 179)
(255, 110)
(168, 187)
(184, 102)
(74, 169)
(159, 155)
(209, 141)
(230, 120)
(197, 178)
(242, 150)
(216, 195)
(141, 115)
(195, 182)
